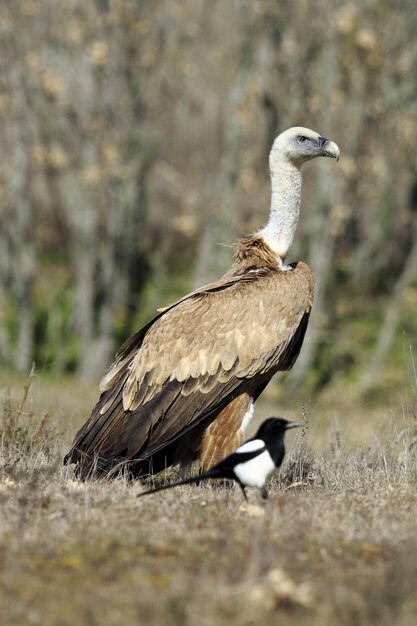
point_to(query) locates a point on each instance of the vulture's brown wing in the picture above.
(194, 358)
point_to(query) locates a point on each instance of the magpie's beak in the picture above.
(330, 148)
(294, 425)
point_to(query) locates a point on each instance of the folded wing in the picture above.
(180, 370)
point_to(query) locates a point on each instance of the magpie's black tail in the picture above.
(187, 481)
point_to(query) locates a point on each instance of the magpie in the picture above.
(252, 463)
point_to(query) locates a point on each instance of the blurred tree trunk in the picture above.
(5, 342)
(24, 260)
(85, 248)
(392, 316)
(25, 271)
(4, 339)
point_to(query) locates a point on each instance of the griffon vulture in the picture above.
(182, 388)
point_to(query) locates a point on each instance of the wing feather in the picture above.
(228, 326)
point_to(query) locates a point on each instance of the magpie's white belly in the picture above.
(254, 473)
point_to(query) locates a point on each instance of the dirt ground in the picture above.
(334, 544)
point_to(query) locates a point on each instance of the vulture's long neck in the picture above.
(285, 206)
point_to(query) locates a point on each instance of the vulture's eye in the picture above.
(302, 139)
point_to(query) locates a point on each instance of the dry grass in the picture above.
(335, 544)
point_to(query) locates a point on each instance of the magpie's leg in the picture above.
(264, 493)
(243, 491)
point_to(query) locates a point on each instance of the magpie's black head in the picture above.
(275, 427)
(272, 433)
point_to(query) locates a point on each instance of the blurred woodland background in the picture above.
(135, 137)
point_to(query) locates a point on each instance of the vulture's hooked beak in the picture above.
(330, 148)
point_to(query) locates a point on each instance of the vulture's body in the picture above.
(183, 387)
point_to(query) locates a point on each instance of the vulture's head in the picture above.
(299, 145)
